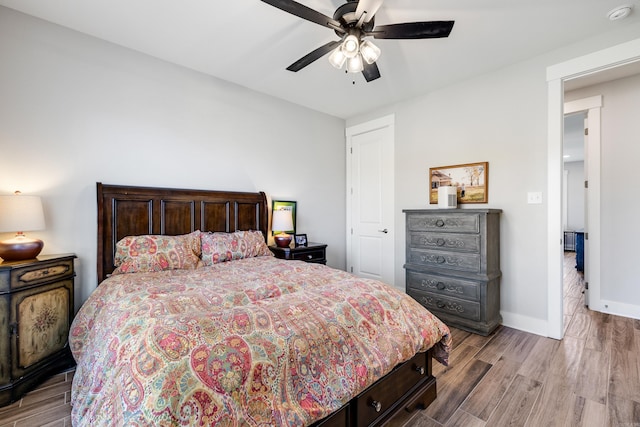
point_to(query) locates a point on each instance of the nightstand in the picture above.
(313, 252)
(36, 310)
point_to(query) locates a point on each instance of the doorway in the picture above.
(557, 75)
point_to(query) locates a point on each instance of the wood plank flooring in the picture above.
(510, 378)
(48, 405)
(513, 378)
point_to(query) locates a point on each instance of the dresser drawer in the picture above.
(454, 223)
(446, 241)
(465, 289)
(41, 272)
(444, 260)
(377, 399)
(440, 303)
(309, 256)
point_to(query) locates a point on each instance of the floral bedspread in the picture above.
(258, 341)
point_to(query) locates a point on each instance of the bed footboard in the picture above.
(408, 387)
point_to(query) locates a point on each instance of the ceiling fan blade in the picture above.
(370, 71)
(305, 12)
(369, 6)
(312, 56)
(413, 30)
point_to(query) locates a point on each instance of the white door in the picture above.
(592, 106)
(592, 223)
(370, 199)
(586, 251)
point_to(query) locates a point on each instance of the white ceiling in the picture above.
(251, 43)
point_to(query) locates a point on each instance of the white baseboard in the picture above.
(620, 309)
(525, 323)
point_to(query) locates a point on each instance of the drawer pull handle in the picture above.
(420, 370)
(440, 242)
(376, 405)
(440, 260)
(439, 223)
(440, 286)
(309, 256)
(440, 304)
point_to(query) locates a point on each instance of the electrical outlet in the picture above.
(534, 197)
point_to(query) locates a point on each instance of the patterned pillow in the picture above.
(221, 247)
(252, 244)
(157, 253)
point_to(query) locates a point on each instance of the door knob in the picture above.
(385, 231)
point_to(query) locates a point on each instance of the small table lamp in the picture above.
(281, 222)
(20, 213)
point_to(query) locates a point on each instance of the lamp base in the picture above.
(282, 240)
(20, 248)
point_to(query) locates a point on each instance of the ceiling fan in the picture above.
(352, 22)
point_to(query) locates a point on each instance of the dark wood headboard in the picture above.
(129, 211)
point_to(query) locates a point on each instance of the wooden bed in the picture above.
(126, 210)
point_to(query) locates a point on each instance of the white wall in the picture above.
(75, 110)
(500, 118)
(575, 195)
(619, 204)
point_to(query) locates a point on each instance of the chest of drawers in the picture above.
(453, 265)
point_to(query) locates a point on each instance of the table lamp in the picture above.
(282, 222)
(18, 214)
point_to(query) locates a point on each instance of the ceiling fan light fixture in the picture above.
(353, 22)
(350, 46)
(354, 65)
(337, 58)
(370, 52)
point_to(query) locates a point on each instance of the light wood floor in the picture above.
(513, 378)
(510, 378)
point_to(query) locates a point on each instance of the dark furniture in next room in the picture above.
(580, 250)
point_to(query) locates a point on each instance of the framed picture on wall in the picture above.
(471, 181)
(286, 205)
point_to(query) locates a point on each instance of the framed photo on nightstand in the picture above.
(300, 240)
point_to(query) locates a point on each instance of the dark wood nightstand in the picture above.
(313, 252)
(36, 310)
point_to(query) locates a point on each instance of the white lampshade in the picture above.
(282, 221)
(18, 214)
(21, 213)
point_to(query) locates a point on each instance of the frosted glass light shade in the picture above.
(369, 51)
(354, 65)
(337, 58)
(350, 46)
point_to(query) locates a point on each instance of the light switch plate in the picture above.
(534, 197)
